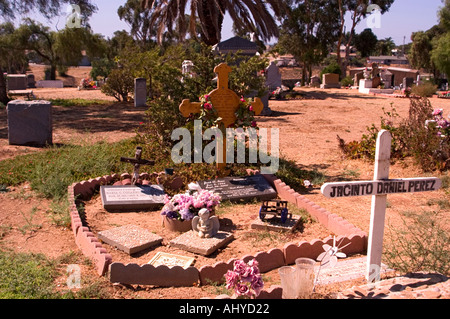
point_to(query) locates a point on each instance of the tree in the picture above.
(138, 18)
(58, 49)
(385, 46)
(49, 8)
(252, 15)
(365, 42)
(12, 60)
(358, 9)
(441, 54)
(308, 32)
(420, 52)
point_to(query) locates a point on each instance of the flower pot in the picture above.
(177, 225)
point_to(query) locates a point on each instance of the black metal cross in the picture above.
(137, 161)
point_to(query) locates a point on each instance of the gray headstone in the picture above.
(130, 238)
(29, 122)
(31, 83)
(17, 82)
(140, 92)
(132, 197)
(273, 77)
(408, 82)
(56, 84)
(237, 189)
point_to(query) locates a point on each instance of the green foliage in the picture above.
(366, 42)
(25, 276)
(421, 245)
(119, 84)
(424, 90)
(77, 102)
(410, 138)
(441, 53)
(101, 68)
(347, 81)
(50, 172)
(331, 68)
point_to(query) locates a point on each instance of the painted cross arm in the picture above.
(257, 106)
(380, 187)
(187, 107)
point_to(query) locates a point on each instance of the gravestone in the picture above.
(123, 198)
(330, 81)
(408, 82)
(55, 84)
(31, 83)
(140, 92)
(273, 77)
(29, 122)
(315, 81)
(130, 238)
(358, 77)
(226, 102)
(17, 82)
(171, 260)
(379, 188)
(191, 242)
(238, 189)
(386, 78)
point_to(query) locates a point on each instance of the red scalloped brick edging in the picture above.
(178, 276)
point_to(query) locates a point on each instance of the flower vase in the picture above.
(177, 225)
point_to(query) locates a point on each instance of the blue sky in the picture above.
(404, 17)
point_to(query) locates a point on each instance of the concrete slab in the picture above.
(191, 242)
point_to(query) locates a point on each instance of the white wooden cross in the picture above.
(379, 188)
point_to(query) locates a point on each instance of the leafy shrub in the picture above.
(421, 245)
(410, 137)
(331, 68)
(424, 90)
(347, 81)
(119, 84)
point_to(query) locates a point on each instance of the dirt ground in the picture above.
(308, 129)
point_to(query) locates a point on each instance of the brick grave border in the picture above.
(177, 276)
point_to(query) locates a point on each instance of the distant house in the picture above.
(388, 60)
(235, 44)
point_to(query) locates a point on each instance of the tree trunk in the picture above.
(52, 72)
(3, 93)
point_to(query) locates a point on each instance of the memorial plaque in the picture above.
(240, 188)
(132, 197)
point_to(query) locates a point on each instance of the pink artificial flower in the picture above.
(207, 97)
(242, 290)
(231, 278)
(207, 106)
(438, 112)
(242, 99)
(250, 107)
(253, 123)
(240, 267)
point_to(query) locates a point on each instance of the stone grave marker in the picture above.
(171, 260)
(55, 84)
(190, 241)
(330, 81)
(237, 189)
(29, 122)
(133, 197)
(130, 238)
(273, 77)
(379, 188)
(226, 102)
(140, 92)
(17, 82)
(123, 198)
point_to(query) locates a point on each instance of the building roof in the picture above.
(235, 44)
(388, 57)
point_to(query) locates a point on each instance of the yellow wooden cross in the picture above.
(225, 101)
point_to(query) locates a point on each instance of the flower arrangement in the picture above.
(88, 84)
(245, 116)
(245, 279)
(442, 124)
(186, 206)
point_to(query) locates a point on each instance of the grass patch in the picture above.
(78, 102)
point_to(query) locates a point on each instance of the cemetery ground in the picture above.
(308, 128)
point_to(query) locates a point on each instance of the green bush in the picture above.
(333, 67)
(347, 81)
(421, 245)
(119, 84)
(424, 90)
(410, 138)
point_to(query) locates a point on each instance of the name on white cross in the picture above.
(379, 188)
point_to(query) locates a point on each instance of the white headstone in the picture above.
(379, 188)
(273, 77)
